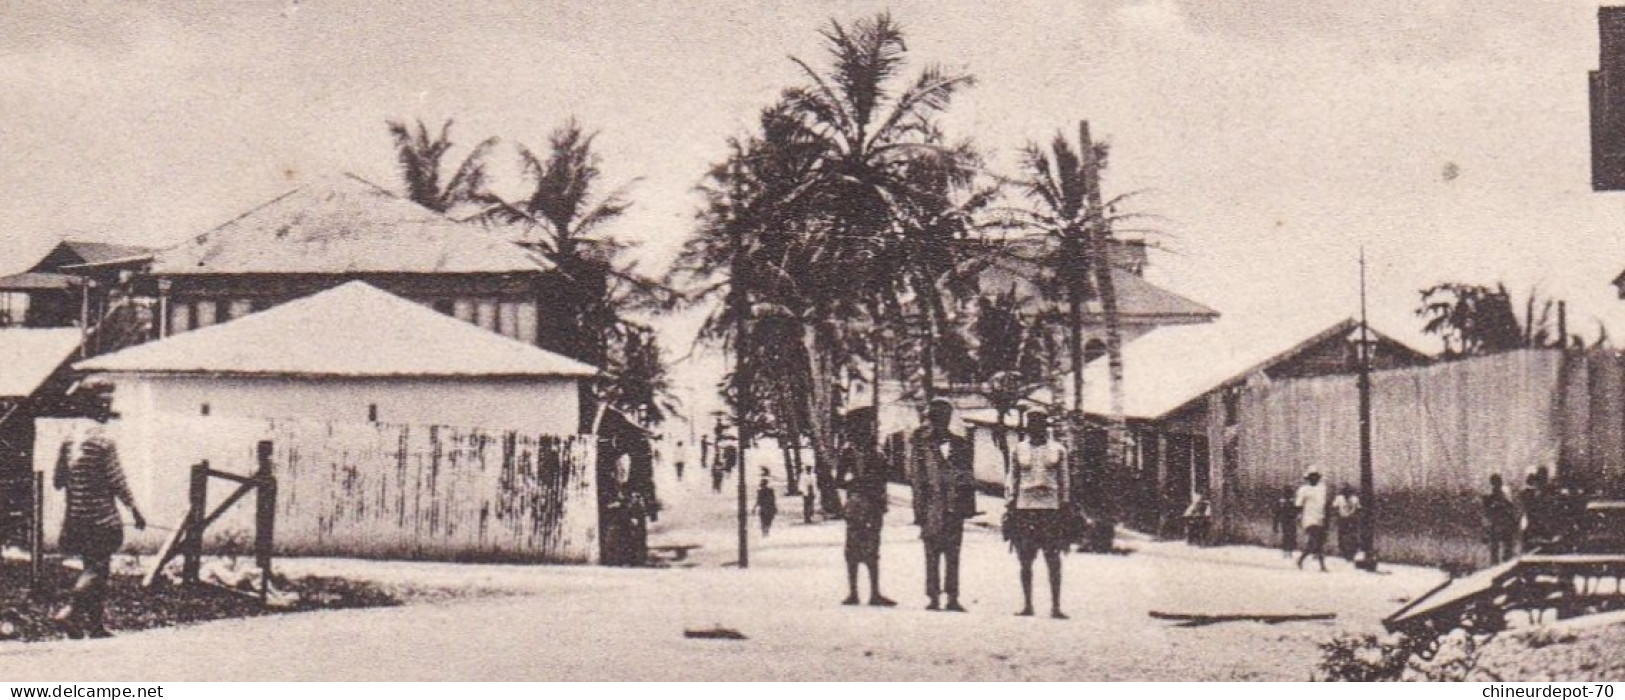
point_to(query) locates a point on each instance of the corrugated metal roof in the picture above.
(354, 330)
(1173, 365)
(344, 225)
(28, 356)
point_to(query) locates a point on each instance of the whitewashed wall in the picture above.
(362, 489)
(545, 406)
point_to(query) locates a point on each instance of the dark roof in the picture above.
(74, 253)
(36, 281)
(344, 225)
(96, 252)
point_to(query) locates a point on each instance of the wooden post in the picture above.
(264, 518)
(264, 532)
(1162, 480)
(193, 546)
(36, 530)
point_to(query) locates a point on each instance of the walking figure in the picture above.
(1347, 509)
(1311, 504)
(865, 515)
(1536, 502)
(1038, 496)
(944, 495)
(1286, 522)
(808, 486)
(678, 460)
(767, 506)
(1500, 521)
(91, 529)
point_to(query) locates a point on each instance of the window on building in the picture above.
(205, 313)
(180, 318)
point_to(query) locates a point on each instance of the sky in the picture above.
(1267, 141)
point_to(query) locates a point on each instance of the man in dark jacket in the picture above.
(1500, 521)
(944, 495)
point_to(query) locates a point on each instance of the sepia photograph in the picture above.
(827, 341)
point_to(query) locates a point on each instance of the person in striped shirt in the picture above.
(89, 471)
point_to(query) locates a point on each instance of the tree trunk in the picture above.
(1099, 237)
(820, 412)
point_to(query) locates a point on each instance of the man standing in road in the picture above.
(1311, 503)
(1037, 496)
(1500, 521)
(944, 495)
(91, 527)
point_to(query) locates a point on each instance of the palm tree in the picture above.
(1472, 319)
(1071, 241)
(421, 157)
(838, 211)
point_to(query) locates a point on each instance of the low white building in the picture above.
(398, 431)
(349, 354)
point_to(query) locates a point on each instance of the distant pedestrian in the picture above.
(679, 459)
(1198, 520)
(705, 451)
(1286, 522)
(1311, 503)
(865, 514)
(1500, 521)
(1535, 501)
(767, 507)
(944, 496)
(1346, 508)
(90, 472)
(808, 486)
(1037, 498)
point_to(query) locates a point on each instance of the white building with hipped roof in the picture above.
(350, 354)
(398, 431)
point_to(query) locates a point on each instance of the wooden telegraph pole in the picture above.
(741, 306)
(1367, 483)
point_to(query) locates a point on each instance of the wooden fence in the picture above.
(370, 489)
(1438, 432)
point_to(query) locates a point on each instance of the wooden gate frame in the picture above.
(187, 540)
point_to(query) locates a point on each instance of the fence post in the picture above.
(264, 518)
(36, 530)
(193, 549)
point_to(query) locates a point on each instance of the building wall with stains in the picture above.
(360, 489)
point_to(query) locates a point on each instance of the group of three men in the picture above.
(1038, 506)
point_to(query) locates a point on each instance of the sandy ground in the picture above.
(593, 623)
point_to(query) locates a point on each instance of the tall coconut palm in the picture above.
(882, 185)
(1071, 233)
(422, 161)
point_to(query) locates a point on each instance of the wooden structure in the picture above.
(1568, 577)
(189, 537)
(1183, 388)
(1439, 432)
(22, 521)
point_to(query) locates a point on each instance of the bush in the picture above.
(1452, 658)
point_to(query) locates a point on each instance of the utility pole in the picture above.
(1367, 483)
(741, 306)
